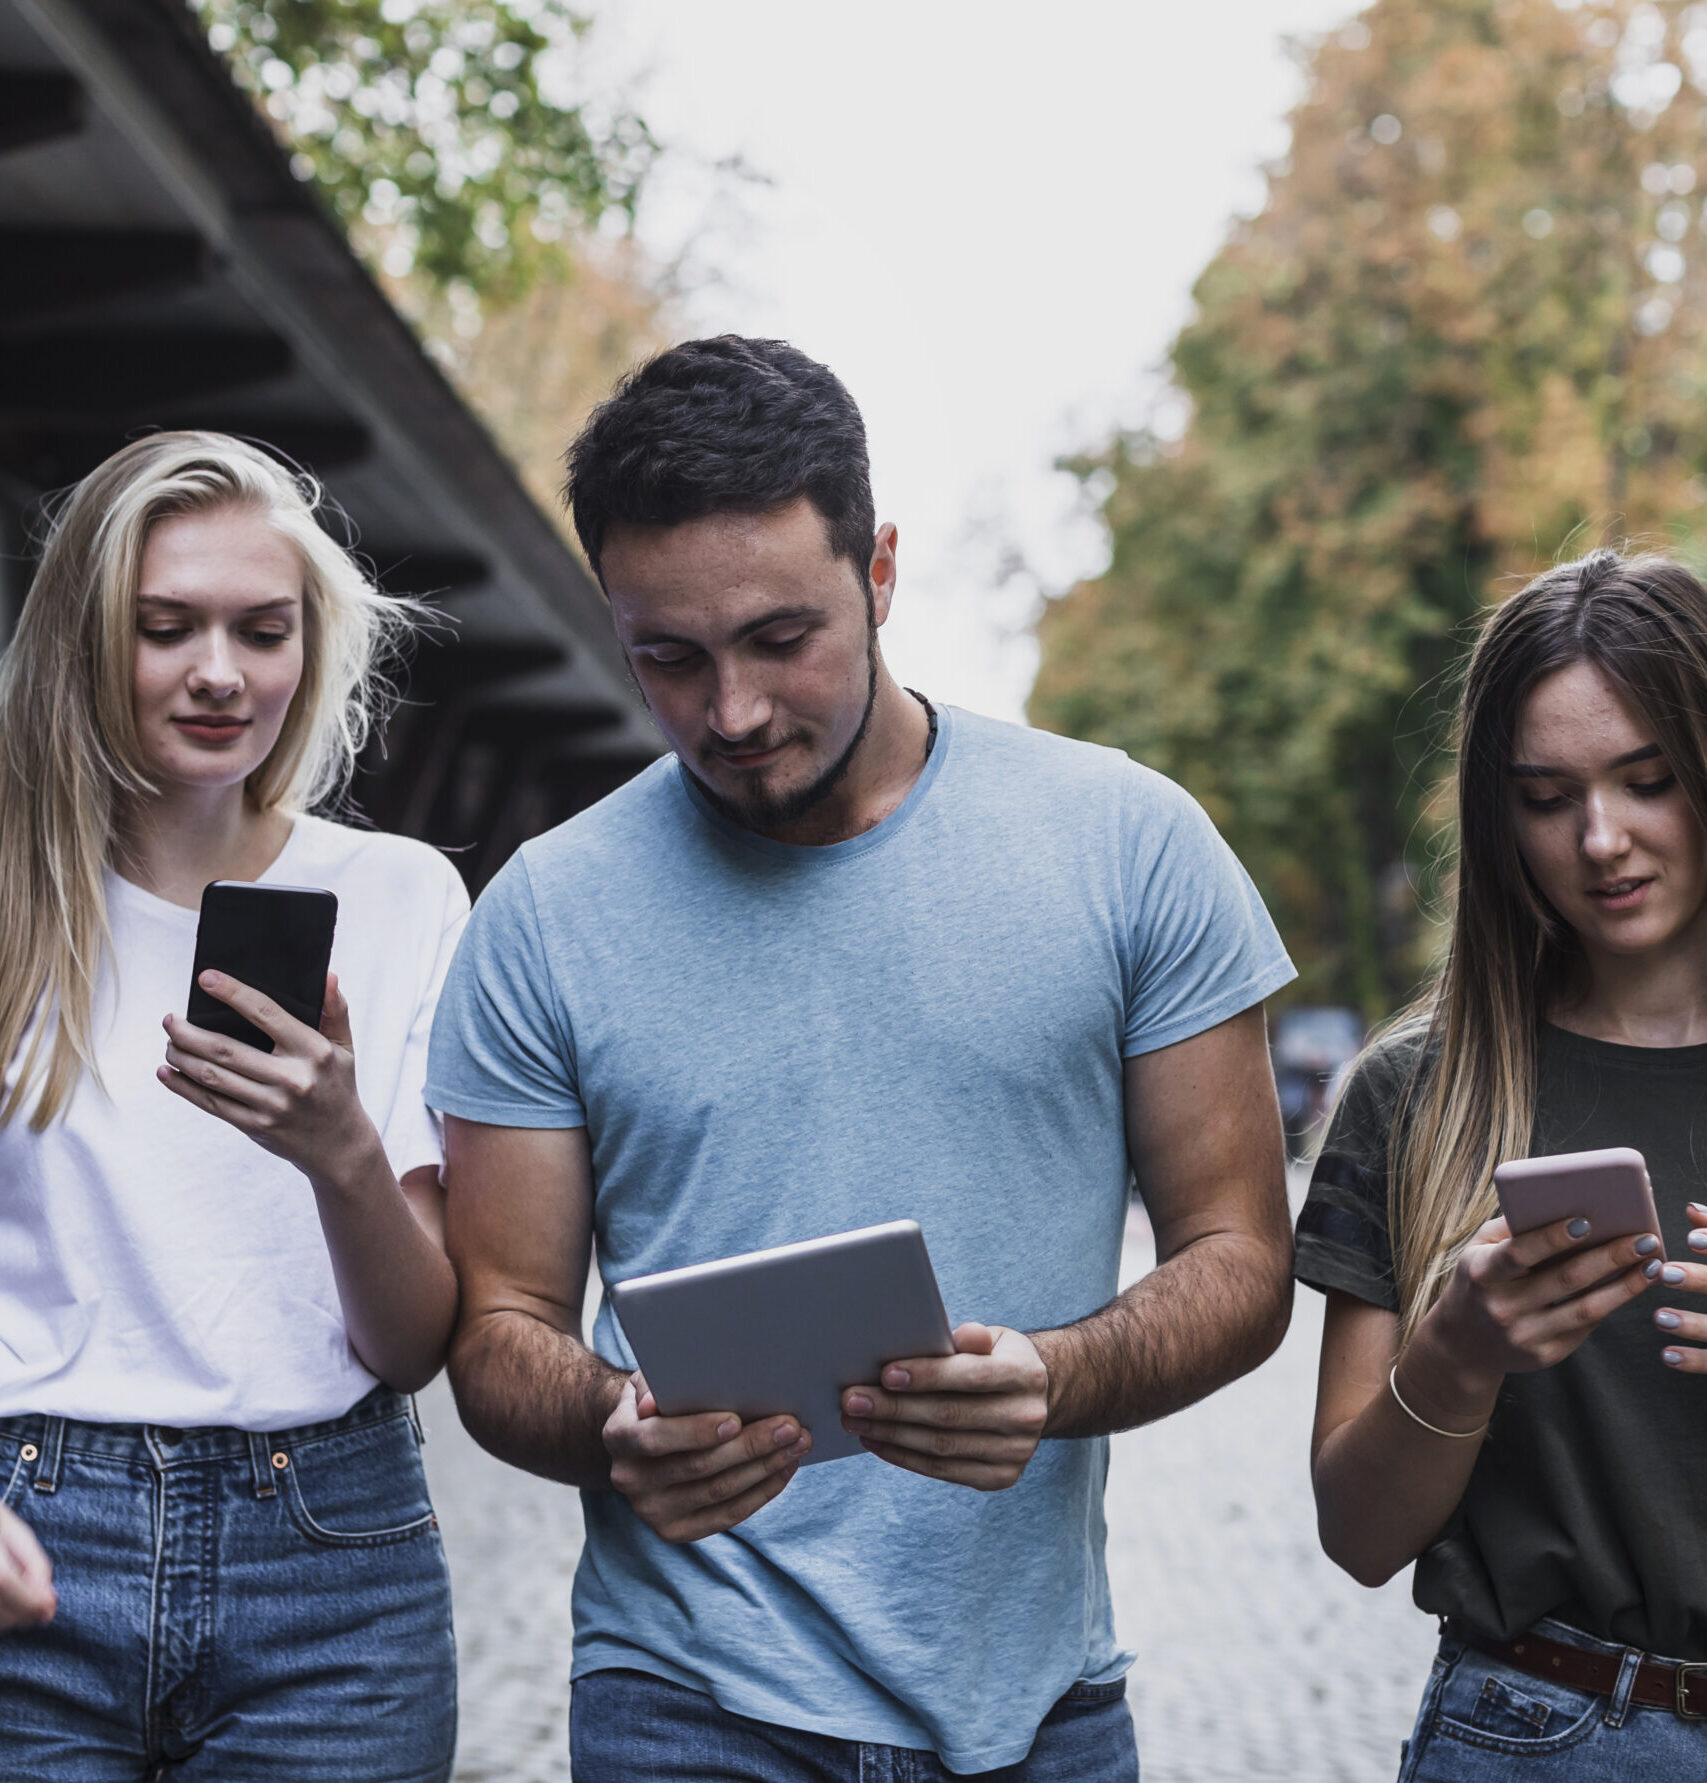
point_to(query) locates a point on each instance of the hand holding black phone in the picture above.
(277, 939)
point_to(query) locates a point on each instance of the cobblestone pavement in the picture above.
(1256, 1658)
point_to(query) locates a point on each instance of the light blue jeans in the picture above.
(1483, 1722)
(629, 1727)
(232, 1608)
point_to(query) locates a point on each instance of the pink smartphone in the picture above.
(1610, 1189)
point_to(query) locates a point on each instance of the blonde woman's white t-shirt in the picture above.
(156, 1265)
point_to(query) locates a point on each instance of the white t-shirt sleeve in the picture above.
(414, 1135)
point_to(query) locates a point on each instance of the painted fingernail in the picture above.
(728, 1427)
(1698, 1241)
(859, 1404)
(1671, 1358)
(897, 1377)
(1578, 1229)
(1646, 1245)
(1653, 1269)
(785, 1434)
(1672, 1273)
(1668, 1321)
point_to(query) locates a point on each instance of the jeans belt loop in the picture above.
(52, 1448)
(415, 1419)
(1619, 1703)
(261, 1465)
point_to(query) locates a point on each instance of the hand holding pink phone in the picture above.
(1609, 1189)
(1577, 1241)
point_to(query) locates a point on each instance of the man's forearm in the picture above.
(534, 1396)
(1212, 1312)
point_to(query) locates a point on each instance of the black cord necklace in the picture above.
(930, 714)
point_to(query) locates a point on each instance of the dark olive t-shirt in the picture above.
(1588, 1501)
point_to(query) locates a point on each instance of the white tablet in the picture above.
(787, 1330)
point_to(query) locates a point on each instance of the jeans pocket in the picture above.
(358, 1488)
(1500, 1709)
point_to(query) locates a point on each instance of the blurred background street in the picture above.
(1256, 1658)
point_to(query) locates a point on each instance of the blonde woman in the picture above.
(1525, 1418)
(220, 1268)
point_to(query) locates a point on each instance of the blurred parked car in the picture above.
(1311, 1048)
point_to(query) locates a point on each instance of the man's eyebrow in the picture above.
(647, 638)
(781, 616)
(1522, 770)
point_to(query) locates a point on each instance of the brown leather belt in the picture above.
(1681, 1688)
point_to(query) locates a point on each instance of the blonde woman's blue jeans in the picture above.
(232, 1608)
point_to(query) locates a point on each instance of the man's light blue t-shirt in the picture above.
(768, 1043)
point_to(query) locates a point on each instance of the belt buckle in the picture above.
(1683, 1709)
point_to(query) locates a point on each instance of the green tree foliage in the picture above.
(1464, 335)
(438, 129)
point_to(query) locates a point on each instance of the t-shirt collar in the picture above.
(146, 903)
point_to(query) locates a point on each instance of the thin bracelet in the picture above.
(1456, 1435)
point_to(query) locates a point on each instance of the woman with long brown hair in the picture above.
(220, 1267)
(1521, 1415)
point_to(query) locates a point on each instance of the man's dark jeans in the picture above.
(628, 1727)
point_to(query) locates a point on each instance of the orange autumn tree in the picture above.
(1464, 336)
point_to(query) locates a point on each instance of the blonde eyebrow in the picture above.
(284, 604)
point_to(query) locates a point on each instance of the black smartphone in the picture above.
(277, 939)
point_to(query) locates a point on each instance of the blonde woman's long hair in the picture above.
(1469, 1102)
(70, 758)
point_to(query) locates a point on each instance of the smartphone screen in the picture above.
(277, 939)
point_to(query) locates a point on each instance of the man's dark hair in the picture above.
(724, 426)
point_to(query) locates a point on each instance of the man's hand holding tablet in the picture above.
(695, 1476)
(974, 1418)
(805, 1326)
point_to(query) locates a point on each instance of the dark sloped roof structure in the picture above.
(161, 267)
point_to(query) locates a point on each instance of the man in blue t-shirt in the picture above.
(846, 957)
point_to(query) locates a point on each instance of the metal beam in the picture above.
(48, 457)
(47, 274)
(403, 571)
(517, 727)
(111, 374)
(402, 774)
(36, 107)
(542, 788)
(450, 661)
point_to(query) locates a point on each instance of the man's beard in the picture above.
(760, 812)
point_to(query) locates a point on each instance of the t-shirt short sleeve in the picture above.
(1202, 946)
(1343, 1238)
(502, 1052)
(413, 1136)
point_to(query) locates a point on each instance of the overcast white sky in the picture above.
(987, 218)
